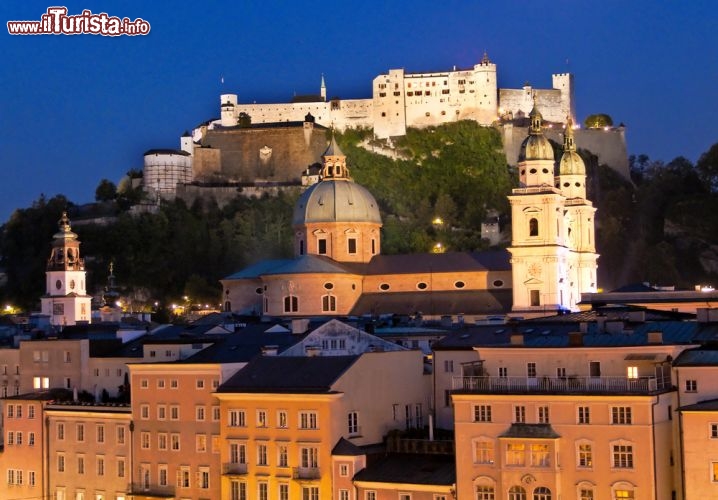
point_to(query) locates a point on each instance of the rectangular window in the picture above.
(10, 438)
(204, 478)
(584, 415)
(161, 412)
(561, 372)
(60, 431)
(261, 418)
(483, 452)
(714, 431)
(585, 455)
(160, 383)
(621, 415)
(60, 462)
(352, 245)
(322, 246)
(543, 415)
(174, 412)
(145, 440)
(80, 433)
(144, 383)
(120, 434)
(18, 437)
(200, 443)
(449, 366)
(343, 494)
(691, 386)
(535, 298)
(175, 441)
(714, 472)
(237, 490)
(31, 411)
(261, 454)
(307, 420)
(482, 413)
(309, 457)
(353, 423)
(10, 411)
(262, 491)
(531, 370)
(145, 412)
(120, 467)
(80, 464)
(100, 433)
(515, 454)
(31, 439)
(623, 456)
(31, 477)
(503, 372)
(199, 413)
(282, 419)
(237, 418)
(18, 411)
(162, 475)
(199, 383)
(215, 413)
(520, 414)
(632, 372)
(540, 455)
(282, 455)
(183, 480)
(174, 384)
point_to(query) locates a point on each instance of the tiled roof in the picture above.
(707, 405)
(492, 260)
(403, 468)
(530, 431)
(275, 374)
(434, 302)
(701, 356)
(347, 449)
(243, 345)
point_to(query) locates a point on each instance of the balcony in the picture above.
(150, 491)
(234, 469)
(561, 385)
(305, 473)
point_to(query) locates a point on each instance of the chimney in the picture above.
(300, 326)
(655, 337)
(312, 351)
(270, 350)
(575, 339)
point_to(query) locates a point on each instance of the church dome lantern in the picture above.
(536, 146)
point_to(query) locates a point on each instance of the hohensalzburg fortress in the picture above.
(400, 100)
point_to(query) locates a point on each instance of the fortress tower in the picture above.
(66, 301)
(552, 251)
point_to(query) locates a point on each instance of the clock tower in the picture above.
(66, 301)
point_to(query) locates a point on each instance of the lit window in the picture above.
(515, 454)
(483, 451)
(585, 455)
(540, 455)
(485, 493)
(632, 372)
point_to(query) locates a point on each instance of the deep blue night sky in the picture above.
(76, 109)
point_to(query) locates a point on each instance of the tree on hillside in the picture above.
(106, 191)
(598, 120)
(707, 167)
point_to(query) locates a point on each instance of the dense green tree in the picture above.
(106, 191)
(598, 120)
(707, 167)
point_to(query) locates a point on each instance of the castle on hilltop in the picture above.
(265, 148)
(401, 99)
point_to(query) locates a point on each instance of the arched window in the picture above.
(533, 227)
(484, 492)
(517, 493)
(542, 493)
(291, 303)
(329, 303)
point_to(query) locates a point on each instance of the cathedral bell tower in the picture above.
(66, 301)
(553, 257)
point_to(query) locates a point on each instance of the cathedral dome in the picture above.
(571, 164)
(536, 146)
(336, 200)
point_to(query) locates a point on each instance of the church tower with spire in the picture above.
(552, 246)
(66, 301)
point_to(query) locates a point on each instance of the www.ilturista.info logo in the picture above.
(56, 22)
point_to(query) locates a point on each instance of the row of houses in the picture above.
(613, 403)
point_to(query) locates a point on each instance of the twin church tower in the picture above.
(553, 252)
